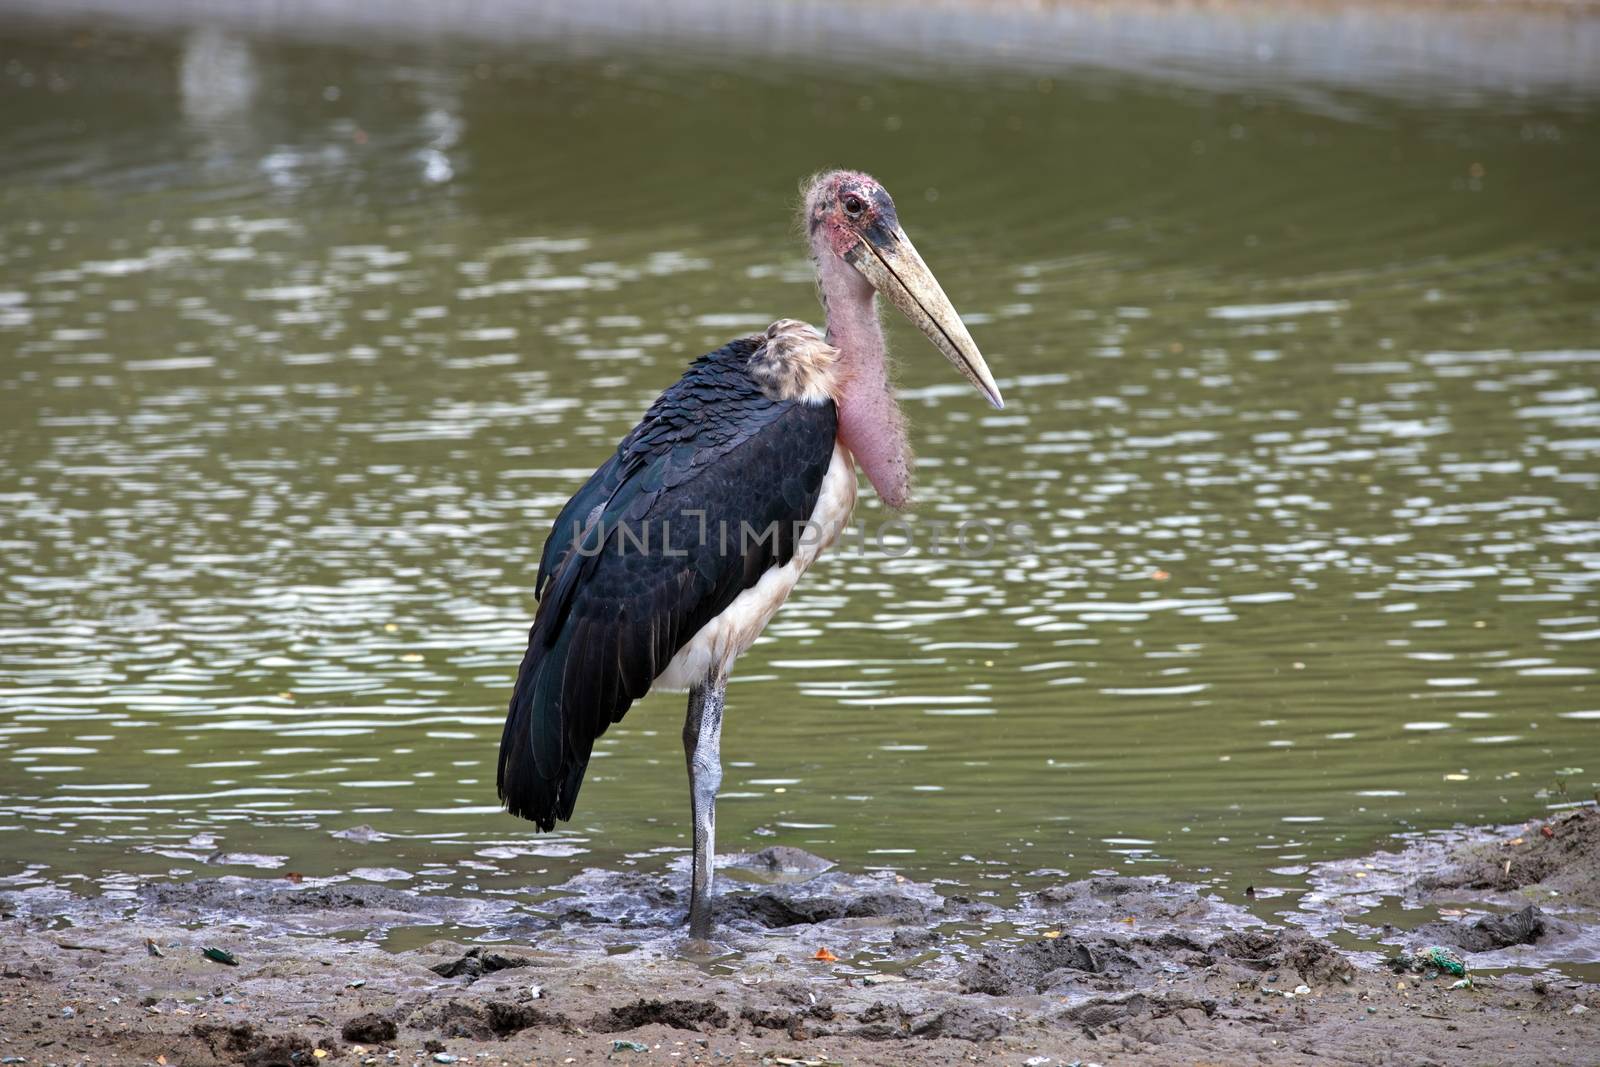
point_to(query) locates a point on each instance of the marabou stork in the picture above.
(675, 554)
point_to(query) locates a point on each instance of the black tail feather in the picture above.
(540, 767)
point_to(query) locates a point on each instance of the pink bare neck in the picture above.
(870, 423)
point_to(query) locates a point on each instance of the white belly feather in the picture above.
(721, 640)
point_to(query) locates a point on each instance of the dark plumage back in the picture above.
(631, 570)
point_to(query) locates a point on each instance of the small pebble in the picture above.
(1577, 1009)
(68, 1013)
(1301, 990)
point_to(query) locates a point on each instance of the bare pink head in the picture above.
(859, 249)
(841, 205)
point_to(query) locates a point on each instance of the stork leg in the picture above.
(702, 751)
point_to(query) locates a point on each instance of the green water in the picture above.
(303, 346)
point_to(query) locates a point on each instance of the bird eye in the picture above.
(853, 205)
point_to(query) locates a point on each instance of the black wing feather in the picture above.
(612, 614)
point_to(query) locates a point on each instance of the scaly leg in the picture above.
(702, 751)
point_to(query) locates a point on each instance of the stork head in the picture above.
(850, 218)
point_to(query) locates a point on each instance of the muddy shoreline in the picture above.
(817, 965)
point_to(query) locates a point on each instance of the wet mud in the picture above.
(812, 964)
(1559, 857)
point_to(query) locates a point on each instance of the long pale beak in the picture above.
(889, 260)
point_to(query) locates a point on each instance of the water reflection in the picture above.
(217, 77)
(297, 379)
